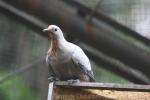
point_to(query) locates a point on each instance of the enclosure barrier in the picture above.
(114, 49)
(97, 91)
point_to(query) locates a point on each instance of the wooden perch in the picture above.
(97, 91)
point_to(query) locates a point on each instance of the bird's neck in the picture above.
(57, 43)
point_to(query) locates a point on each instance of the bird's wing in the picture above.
(48, 62)
(81, 60)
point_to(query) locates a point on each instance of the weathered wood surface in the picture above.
(98, 91)
(50, 91)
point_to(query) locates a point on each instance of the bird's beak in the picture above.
(48, 32)
(45, 30)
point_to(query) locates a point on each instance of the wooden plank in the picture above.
(100, 91)
(62, 93)
(110, 86)
(50, 91)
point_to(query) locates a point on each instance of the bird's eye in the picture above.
(55, 29)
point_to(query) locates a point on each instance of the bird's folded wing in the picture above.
(87, 72)
(48, 63)
(81, 61)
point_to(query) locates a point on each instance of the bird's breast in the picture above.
(64, 68)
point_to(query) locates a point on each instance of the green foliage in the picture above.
(15, 89)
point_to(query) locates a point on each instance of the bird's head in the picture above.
(53, 30)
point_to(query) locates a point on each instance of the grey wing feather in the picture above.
(81, 60)
(48, 62)
(89, 73)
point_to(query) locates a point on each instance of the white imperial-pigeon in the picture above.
(66, 61)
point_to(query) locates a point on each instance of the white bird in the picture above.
(66, 61)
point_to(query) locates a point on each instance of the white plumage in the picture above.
(66, 60)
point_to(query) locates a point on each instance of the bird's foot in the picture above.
(73, 81)
(53, 79)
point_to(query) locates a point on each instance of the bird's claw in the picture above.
(73, 81)
(52, 79)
